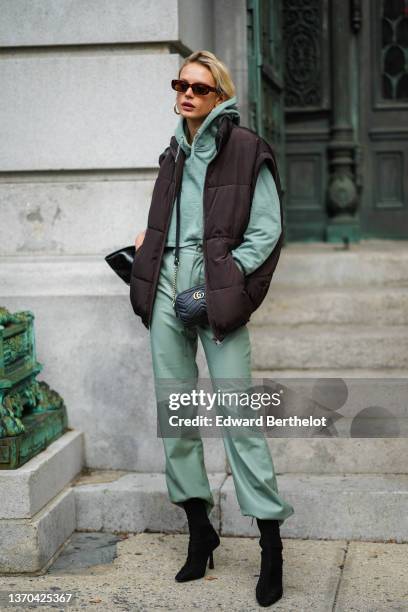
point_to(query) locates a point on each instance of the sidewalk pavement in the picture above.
(135, 572)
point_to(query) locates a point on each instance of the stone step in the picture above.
(65, 275)
(344, 450)
(354, 507)
(336, 456)
(332, 373)
(134, 501)
(29, 545)
(329, 346)
(37, 505)
(354, 305)
(24, 491)
(379, 263)
(357, 507)
(383, 263)
(343, 454)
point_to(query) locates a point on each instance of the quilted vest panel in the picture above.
(228, 191)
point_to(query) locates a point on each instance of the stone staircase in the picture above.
(341, 314)
(340, 310)
(329, 313)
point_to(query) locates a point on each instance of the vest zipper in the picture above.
(165, 237)
(215, 337)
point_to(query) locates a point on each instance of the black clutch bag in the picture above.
(121, 262)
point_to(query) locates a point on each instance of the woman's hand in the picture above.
(139, 239)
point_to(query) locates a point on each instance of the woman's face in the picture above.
(201, 105)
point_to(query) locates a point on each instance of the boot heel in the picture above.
(211, 561)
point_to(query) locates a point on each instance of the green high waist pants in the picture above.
(174, 349)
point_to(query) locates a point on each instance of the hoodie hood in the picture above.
(204, 138)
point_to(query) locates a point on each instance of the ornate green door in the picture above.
(384, 118)
(265, 57)
(328, 88)
(311, 121)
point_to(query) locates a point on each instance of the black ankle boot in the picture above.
(203, 540)
(269, 588)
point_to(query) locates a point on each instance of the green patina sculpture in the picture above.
(32, 415)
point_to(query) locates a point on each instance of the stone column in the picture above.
(342, 196)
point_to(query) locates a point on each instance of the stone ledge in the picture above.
(365, 305)
(329, 346)
(63, 275)
(24, 491)
(135, 502)
(348, 506)
(26, 23)
(27, 545)
(334, 456)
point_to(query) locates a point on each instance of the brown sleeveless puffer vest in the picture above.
(228, 189)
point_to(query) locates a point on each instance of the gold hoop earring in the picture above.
(174, 108)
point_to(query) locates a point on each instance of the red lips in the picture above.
(187, 105)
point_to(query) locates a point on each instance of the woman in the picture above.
(232, 246)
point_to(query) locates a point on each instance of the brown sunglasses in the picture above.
(199, 89)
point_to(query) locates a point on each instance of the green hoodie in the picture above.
(264, 226)
(198, 156)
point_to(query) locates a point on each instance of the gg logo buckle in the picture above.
(198, 294)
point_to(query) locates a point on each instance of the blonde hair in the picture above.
(221, 74)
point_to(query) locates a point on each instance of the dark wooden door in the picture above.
(297, 102)
(383, 112)
(266, 64)
(305, 32)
